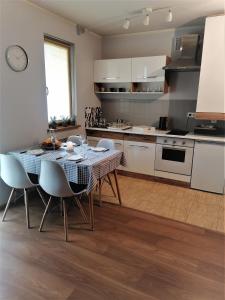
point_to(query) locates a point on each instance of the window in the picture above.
(58, 78)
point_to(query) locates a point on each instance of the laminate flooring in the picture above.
(131, 255)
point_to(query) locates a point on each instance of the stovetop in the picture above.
(178, 132)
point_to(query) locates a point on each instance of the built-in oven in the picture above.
(174, 155)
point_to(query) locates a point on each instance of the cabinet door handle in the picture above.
(111, 78)
(145, 147)
(147, 77)
(118, 144)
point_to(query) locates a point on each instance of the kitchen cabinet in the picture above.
(140, 157)
(211, 94)
(208, 167)
(112, 70)
(148, 69)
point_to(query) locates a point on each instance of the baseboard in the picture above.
(154, 178)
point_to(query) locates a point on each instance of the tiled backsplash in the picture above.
(147, 112)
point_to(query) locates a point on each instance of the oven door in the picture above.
(174, 159)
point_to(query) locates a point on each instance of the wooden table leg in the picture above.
(91, 209)
(117, 187)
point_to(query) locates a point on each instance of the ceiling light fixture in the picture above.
(126, 24)
(146, 20)
(146, 12)
(169, 16)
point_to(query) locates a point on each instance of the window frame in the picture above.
(72, 85)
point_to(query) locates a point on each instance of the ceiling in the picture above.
(106, 17)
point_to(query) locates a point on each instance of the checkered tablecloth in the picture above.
(94, 166)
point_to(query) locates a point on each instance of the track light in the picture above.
(169, 17)
(126, 24)
(146, 20)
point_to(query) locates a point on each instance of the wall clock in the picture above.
(16, 58)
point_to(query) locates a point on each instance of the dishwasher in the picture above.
(208, 172)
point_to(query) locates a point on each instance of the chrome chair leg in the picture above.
(27, 208)
(44, 215)
(84, 216)
(65, 220)
(41, 196)
(7, 205)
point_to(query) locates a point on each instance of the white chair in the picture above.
(75, 139)
(15, 176)
(54, 182)
(108, 144)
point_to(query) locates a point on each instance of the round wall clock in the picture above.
(16, 58)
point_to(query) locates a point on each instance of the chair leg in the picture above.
(110, 183)
(27, 208)
(41, 196)
(61, 206)
(100, 192)
(91, 209)
(7, 205)
(44, 215)
(65, 220)
(84, 216)
(117, 187)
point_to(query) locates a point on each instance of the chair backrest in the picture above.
(106, 143)
(75, 139)
(13, 173)
(53, 179)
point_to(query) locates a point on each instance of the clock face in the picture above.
(16, 58)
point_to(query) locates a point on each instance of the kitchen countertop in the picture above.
(156, 132)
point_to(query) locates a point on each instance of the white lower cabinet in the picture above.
(208, 172)
(140, 157)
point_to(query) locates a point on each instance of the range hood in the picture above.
(186, 54)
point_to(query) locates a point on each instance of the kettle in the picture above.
(163, 123)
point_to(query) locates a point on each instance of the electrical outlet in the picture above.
(190, 115)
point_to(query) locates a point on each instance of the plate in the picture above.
(76, 157)
(35, 151)
(98, 149)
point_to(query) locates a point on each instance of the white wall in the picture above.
(138, 44)
(23, 102)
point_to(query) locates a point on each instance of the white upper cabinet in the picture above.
(211, 98)
(148, 69)
(112, 70)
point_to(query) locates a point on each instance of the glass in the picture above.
(53, 137)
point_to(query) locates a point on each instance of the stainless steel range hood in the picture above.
(186, 54)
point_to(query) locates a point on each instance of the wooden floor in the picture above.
(178, 203)
(130, 255)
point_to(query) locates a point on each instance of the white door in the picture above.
(148, 69)
(140, 157)
(208, 167)
(211, 93)
(112, 70)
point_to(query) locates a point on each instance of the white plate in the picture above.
(98, 149)
(35, 151)
(76, 157)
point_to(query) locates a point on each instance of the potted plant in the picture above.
(53, 123)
